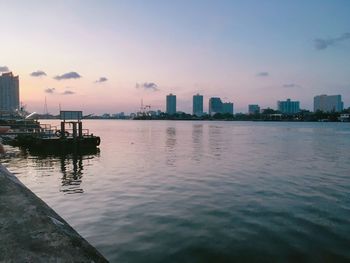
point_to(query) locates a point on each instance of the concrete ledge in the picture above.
(30, 231)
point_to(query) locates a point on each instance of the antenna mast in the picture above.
(46, 111)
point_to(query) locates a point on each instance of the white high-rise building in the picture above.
(9, 92)
(328, 103)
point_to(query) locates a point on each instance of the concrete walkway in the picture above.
(30, 231)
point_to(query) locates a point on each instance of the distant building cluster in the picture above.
(9, 92)
(9, 102)
(323, 103)
(215, 105)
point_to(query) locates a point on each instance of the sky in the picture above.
(105, 56)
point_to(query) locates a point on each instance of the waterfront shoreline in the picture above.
(31, 231)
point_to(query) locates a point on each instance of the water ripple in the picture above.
(203, 191)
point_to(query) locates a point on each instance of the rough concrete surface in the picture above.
(30, 231)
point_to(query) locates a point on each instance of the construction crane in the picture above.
(145, 109)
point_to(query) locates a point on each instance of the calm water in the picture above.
(163, 191)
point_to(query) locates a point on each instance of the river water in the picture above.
(173, 191)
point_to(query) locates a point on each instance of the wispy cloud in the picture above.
(147, 86)
(263, 74)
(291, 85)
(50, 90)
(4, 69)
(323, 43)
(101, 79)
(38, 73)
(55, 92)
(69, 75)
(68, 92)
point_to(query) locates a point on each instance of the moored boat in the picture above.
(48, 138)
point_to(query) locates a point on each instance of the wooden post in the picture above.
(80, 129)
(74, 129)
(62, 129)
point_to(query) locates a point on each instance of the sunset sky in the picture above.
(104, 56)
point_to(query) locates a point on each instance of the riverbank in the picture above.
(30, 231)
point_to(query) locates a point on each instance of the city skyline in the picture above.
(106, 58)
(9, 89)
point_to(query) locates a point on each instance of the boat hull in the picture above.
(55, 143)
(4, 129)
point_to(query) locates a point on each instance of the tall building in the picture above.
(9, 92)
(288, 106)
(253, 109)
(171, 104)
(328, 103)
(215, 106)
(198, 105)
(227, 107)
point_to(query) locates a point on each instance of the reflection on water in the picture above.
(216, 140)
(197, 142)
(204, 191)
(72, 173)
(170, 143)
(70, 165)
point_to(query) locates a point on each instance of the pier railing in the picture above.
(45, 130)
(48, 130)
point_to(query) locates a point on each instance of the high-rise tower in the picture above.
(171, 104)
(198, 105)
(9, 92)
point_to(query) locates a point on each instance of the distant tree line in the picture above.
(266, 115)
